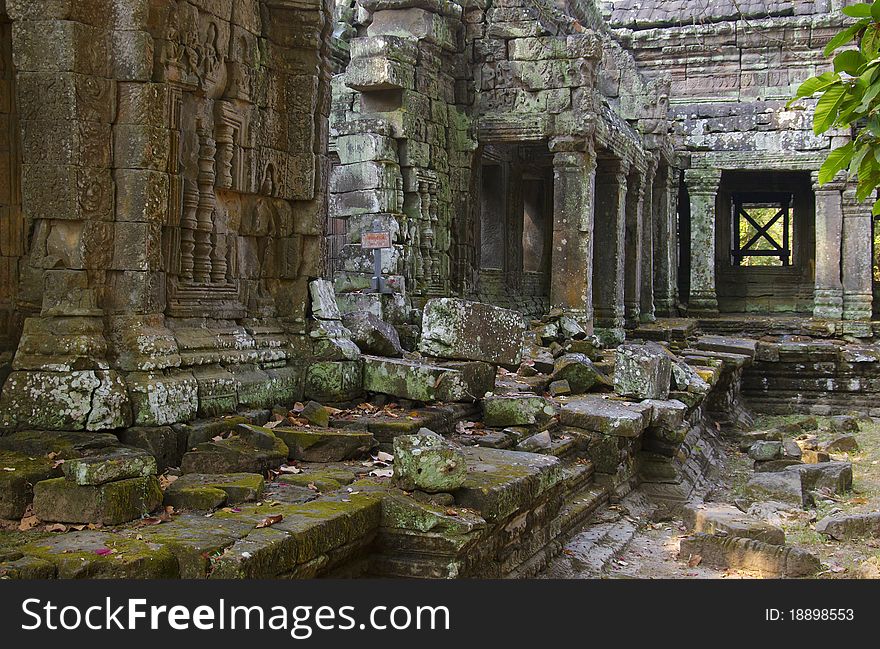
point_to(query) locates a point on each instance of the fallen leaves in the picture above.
(289, 469)
(695, 560)
(166, 480)
(382, 473)
(269, 521)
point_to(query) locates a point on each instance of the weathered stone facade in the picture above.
(163, 206)
(732, 67)
(503, 140)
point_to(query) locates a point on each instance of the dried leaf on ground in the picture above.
(269, 521)
(695, 560)
(382, 473)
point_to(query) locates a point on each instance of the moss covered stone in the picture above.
(334, 381)
(97, 555)
(423, 381)
(517, 410)
(428, 462)
(402, 512)
(501, 482)
(252, 449)
(18, 474)
(27, 568)
(315, 444)
(323, 479)
(194, 540)
(205, 492)
(107, 465)
(109, 504)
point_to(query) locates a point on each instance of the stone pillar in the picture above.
(609, 258)
(828, 301)
(646, 295)
(574, 180)
(666, 241)
(703, 189)
(857, 261)
(635, 202)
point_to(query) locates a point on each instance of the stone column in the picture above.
(703, 189)
(857, 261)
(609, 258)
(648, 232)
(828, 301)
(666, 241)
(574, 180)
(635, 202)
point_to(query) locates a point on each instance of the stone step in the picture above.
(748, 554)
(317, 444)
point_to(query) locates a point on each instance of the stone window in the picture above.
(762, 230)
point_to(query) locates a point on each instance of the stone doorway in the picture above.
(11, 222)
(516, 226)
(765, 246)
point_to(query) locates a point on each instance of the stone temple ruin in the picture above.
(608, 243)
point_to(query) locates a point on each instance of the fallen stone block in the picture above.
(749, 554)
(747, 440)
(536, 443)
(164, 443)
(775, 465)
(423, 381)
(766, 450)
(800, 425)
(60, 500)
(741, 346)
(202, 492)
(810, 456)
(580, 372)
(642, 372)
(686, 378)
(835, 477)
(461, 330)
(316, 444)
(324, 305)
(372, 335)
(844, 424)
(428, 462)
(783, 486)
(316, 414)
(667, 414)
(517, 410)
(325, 479)
(711, 518)
(843, 527)
(107, 465)
(843, 444)
(618, 418)
(559, 388)
(250, 449)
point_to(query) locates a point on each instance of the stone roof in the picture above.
(656, 13)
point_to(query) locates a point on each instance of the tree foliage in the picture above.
(849, 97)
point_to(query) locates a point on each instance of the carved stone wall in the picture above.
(173, 190)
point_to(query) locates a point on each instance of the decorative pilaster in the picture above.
(646, 294)
(635, 202)
(666, 241)
(702, 187)
(574, 181)
(857, 262)
(609, 258)
(828, 301)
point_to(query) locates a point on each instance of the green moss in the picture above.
(196, 498)
(16, 486)
(111, 503)
(97, 555)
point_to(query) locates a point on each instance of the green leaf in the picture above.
(828, 107)
(870, 45)
(837, 161)
(849, 61)
(860, 10)
(875, 10)
(845, 36)
(870, 95)
(815, 84)
(875, 211)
